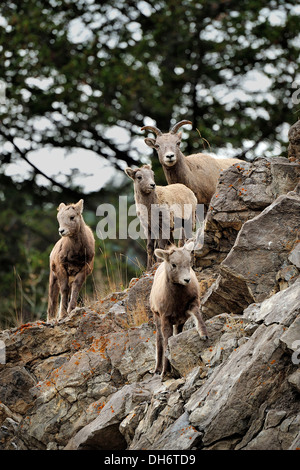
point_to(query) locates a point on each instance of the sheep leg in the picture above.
(64, 293)
(167, 331)
(165, 230)
(52, 297)
(177, 329)
(171, 240)
(182, 237)
(194, 309)
(150, 252)
(76, 286)
(159, 345)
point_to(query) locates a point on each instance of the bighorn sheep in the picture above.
(199, 172)
(71, 259)
(158, 207)
(174, 297)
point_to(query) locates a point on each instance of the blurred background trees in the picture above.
(85, 76)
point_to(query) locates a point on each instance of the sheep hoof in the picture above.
(166, 375)
(204, 337)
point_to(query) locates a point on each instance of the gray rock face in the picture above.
(251, 378)
(87, 383)
(242, 193)
(263, 247)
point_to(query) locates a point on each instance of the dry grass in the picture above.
(139, 315)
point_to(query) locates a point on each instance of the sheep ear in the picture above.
(179, 135)
(61, 206)
(150, 142)
(162, 254)
(79, 206)
(129, 172)
(189, 246)
(148, 167)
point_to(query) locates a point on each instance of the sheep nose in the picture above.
(187, 280)
(170, 156)
(152, 185)
(61, 231)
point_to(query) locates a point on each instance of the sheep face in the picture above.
(167, 147)
(177, 263)
(143, 178)
(69, 218)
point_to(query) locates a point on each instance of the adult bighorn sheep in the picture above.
(173, 298)
(199, 172)
(159, 208)
(71, 260)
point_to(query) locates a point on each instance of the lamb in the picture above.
(71, 260)
(173, 298)
(199, 172)
(159, 206)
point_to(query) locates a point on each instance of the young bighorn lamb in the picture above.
(199, 172)
(174, 297)
(71, 260)
(158, 207)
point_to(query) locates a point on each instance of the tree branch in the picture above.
(23, 155)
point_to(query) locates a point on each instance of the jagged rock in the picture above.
(286, 276)
(248, 274)
(15, 383)
(90, 375)
(291, 338)
(86, 381)
(103, 432)
(187, 350)
(165, 407)
(242, 193)
(130, 423)
(276, 309)
(138, 306)
(194, 379)
(181, 435)
(274, 438)
(5, 413)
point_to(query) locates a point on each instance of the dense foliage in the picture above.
(74, 70)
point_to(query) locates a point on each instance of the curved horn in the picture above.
(152, 129)
(178, 125)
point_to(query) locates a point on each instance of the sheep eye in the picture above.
(173, 265)
(178, 143)
(72, 217)
(156, 146)
(139, 178)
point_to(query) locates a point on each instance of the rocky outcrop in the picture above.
(260, 263)
(294, 145)
(242, 193)
(86, 382)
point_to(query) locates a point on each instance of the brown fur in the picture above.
(199, 172)
(175, 295)
(171, 199)
(71, 260)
